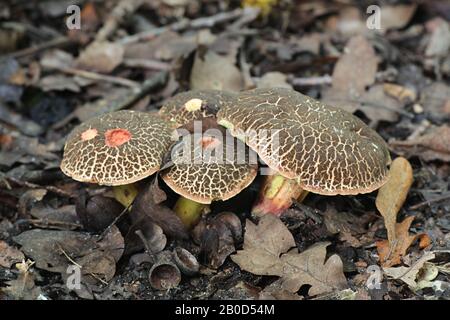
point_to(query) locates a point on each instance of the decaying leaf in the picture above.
(391, 255)
(415, 276)
(213, 71)
(433, 145)
(266, 252)
(54, 251)
(9, 255)
(392, 195)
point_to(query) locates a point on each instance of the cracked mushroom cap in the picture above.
(194, 105)
(327, 150)
(116, 148)
(205, 170)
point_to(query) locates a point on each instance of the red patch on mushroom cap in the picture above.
(210, 142)
(89, 134)
(117, 137)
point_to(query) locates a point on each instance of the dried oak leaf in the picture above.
(391, 255)
(413, 274)
(265, 242)
(433, 145)
(392, 195)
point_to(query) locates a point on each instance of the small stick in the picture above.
(312, 81)
(100, 77)
(53, 189)
(116, 219)
(146, 64)
(203, 22)
(53, 223)
(57, 42)
(428, 202)
(122, 9)
(67, 256)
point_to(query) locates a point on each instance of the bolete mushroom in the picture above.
(116, 148)
(205, 168)
(311, 146)
(193, 105)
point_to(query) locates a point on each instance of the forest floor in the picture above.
(392, 72)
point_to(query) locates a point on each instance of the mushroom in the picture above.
(193, 105)
(116, 148)
(208, 167)
(310, 146)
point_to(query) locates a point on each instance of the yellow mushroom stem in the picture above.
(189, 211)
(125, 194)
(277, 194)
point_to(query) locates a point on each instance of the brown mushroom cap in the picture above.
(116, 148)
(194, 105)
(327, 150)
(203, 175)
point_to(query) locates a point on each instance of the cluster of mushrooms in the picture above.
(307, 147)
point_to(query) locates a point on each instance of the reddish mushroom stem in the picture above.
(276, 195)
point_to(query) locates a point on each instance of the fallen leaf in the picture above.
(391, 255)
(213, 71)
(378, 106)
(217, 236)
(439, 42)
(396, 16)
(9, 255)
(355, 70)
(414, 275)
(54, 251)
(144, 207)
(392, 195)
(273, 80)
(433, 145)
(435, 98)
(56, 59)
(265, 242)
(102, 57)
(58, 82)
(263, 245)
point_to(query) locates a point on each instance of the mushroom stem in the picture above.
(276, 195)
(189, 211)
(125, 194)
